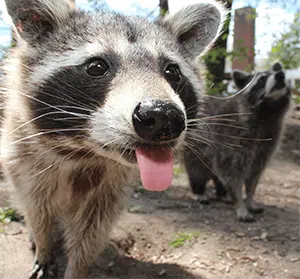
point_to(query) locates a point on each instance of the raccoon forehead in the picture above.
(76, 43)
(131, 58)
(109, 30)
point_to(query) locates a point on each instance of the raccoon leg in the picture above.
(250, 191)
(40, 227)
(221, 191)
(236, 189)
(220, 188)
(198, 180)
(85, 238)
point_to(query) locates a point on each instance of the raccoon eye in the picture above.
(173, 73)
(96, 68)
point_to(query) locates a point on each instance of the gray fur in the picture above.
(34, 17)
(197, 26)
(76, 177)
(241, 142)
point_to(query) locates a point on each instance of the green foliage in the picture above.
(215, 60)
(296, 99)
(163, 12)
(7, 215)
(214, 88)
(182, 238)
(286, 49)
(177, 171)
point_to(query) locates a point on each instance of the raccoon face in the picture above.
(268, 85)
(120, 84)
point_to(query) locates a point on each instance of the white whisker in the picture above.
(237, 137)
(47, 132)
(36, 118)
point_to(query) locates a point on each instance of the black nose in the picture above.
(155, 120)
(280, 76)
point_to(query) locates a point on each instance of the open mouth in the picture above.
(155, 163)
(129, 154)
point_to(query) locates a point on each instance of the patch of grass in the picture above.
(182, 238)
(177, 171)
(141, 190)
(7, 215)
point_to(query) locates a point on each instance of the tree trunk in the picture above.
(163, 7)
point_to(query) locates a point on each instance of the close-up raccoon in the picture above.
(91, 98)
(241, 133)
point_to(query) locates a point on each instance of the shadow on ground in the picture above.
(113, 264)
(278, 224)
(222, 247)
(290, 147)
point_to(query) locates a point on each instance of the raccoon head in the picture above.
(267, 85)
(122, 86)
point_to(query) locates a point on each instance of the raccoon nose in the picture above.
(280, 76)
(155, 120)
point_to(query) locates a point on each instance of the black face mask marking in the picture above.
(181, 85)
(66, 99)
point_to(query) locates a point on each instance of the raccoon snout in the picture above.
(280, 76)
(156, 120)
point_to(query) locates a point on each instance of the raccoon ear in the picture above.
(35, 19)
(240, 78)
(197, 26)
(277, 67)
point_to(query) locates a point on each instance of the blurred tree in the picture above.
(215, 59)
(163, 7)
(286, 48)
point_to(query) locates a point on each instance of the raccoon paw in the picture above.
(43, 271)
(226, 199)
(254, 207)
(244, 215)
(203, 199)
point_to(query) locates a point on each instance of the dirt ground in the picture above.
(212, 243)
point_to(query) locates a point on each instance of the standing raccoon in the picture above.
(91, 98)
(242, 132)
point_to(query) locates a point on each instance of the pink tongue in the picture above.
(156, 168)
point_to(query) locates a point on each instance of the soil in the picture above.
(214, 244)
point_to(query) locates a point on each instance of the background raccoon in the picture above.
(237, 136)
(90, 97)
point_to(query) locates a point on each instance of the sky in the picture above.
(271, 20)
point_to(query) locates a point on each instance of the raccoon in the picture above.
(91, 100)
(237, 136)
